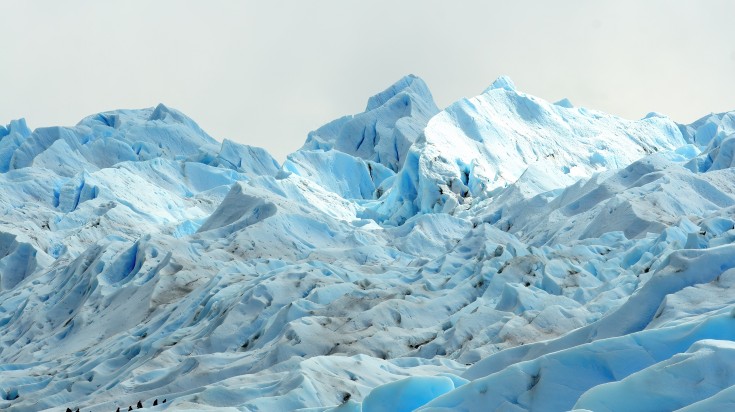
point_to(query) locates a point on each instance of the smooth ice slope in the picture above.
(349, 176)
(504, 253)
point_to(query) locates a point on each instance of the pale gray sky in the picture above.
(266, 73)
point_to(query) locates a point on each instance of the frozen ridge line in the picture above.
(503, 253)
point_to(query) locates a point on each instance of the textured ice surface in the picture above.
(476, 147)
(390, 124)
(504, 253)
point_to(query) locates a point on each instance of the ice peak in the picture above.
(566, 103)
(502, 82)
(410, 83)
(383, 133)
(163, 112)
(16, 126)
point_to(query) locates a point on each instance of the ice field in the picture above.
(501, 254)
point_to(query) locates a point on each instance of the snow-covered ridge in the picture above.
(504, 253)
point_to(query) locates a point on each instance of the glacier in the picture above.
(503, 253)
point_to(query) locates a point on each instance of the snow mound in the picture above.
(237, 211)
(407, 394)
